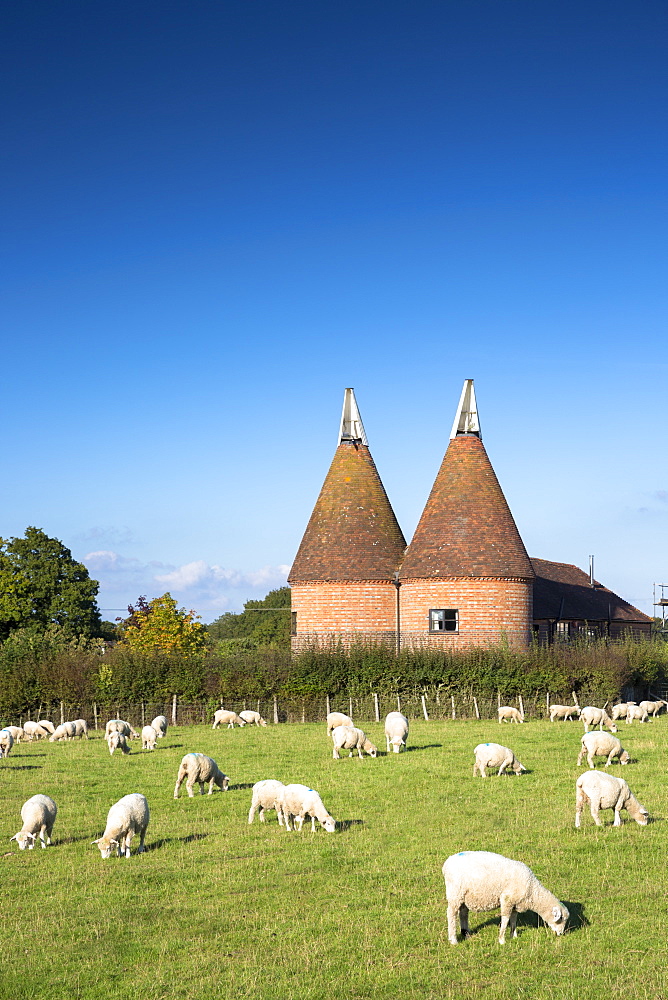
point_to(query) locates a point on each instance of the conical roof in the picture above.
(466, 528)
(353, 533)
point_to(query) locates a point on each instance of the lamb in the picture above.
(351, 738)
(599, 744)
(604, 791)
(482, 880)
(17, 733)
(591, 716)
(120, 726)
(160, 726)
(335, 719)
(38, 815)
(65, 731)
(35, 731)
(494, 755)
(6, 742)
(126, 818)
(509, 714)
(653, 707)
(563, 712)
(266, 795)
(197, 767)
(396, 731)
(297, 802)
(225, 718)
(117, 741)
(148, 738)
(635, 712)
(252, 718)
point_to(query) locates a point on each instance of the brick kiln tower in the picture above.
(466, 578)
(343, 578)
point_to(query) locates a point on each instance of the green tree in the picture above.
(41, 585)
(158, 626)
(261, 623)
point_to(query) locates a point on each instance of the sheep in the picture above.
(252, 718)
(396, 731)
(619, 711)
(335, 719)
(38, 815)
(635, 712)
(34, 731)
(65, 731)
(563, 712)
(148, 738)
(653, 707)
(224, 718)
(351, 738)
(197, 767)
(46, 724)
(160, 726)
(17, 733)
(494, 755)
(482, 880)
(81, 728)
(126, 818)
(297, 802)
(604, 791)
(599, 744)
(509, 714)
(117, 741)
(591, 716)
(120, 726)
(266, 795)
(6, 742)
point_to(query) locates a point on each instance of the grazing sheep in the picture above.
(252, 718)
(46, 724)
(34, 731)
(17, 732)
(481, 880)
(591, 716)
(224, 718)
(509, 714)
(563, 712)
(117, 741)
(266, 795)
(120, 726)
(126, 818)
(653, 707)
(351, 738)
(599, 744)
(619, 711)
(65, 731)
(160, 726)
(635, 712)
(38, 815)
(6, 742)
(396, 731)
(297, 802)
(335, 719)
(81, 728)
(494, 755)
(148, 738)
(604, 791)
(197, 767)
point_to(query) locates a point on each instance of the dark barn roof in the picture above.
(563, 592)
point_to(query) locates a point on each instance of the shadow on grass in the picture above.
(24, 767)
(346, 824)
(576, 920)
(164, 841)
(240, 787)
(427, 746)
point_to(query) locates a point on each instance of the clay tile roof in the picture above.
(562, 591)
(353, 533)
(466, 529)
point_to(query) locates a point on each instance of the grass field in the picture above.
(217, 907)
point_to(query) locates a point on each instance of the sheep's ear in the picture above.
(96, 841)
(556, 913)
(15, 837)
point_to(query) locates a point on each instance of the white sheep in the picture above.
(65, 731)
(38, 815)
(509, 714)
(81, 727)
(481, 880)
(351, 738)
(6, 742)
(252, 718)
(197, 767)
(148, 738)
(563, 712)
(17, 732)
(619, 711)
(335, 719)
(126, 818)
(604, 791)
(34, 731)
(297, 801)
(224, 718)
(653, 707)
(494, 755)
(599, 744)
(266, 795)
(117, 741)
(396, 731)
(47, 724)
(635, 712)
(120, 726)
(592, 716)
(160, 726)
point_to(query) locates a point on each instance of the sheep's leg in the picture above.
(336, 754)
(512, 923)
(610, 758)
(41, 836)
(595, 806)
(581, 755)
(211, 786)
(580, 799)
(201, 787)
(503, 767)
(590, 760)
(190, 788)
(475, 769)
(253, 810)
(214, 726)
(128, 839)
(464, 920)
(483, 772)
(452, 923)
(359, 753)
(506, 915)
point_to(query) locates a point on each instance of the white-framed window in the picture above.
(444, 620)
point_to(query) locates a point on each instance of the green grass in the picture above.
(217, 907)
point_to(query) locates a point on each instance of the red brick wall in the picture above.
(345, 610)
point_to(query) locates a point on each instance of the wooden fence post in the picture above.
(303, 711)
(376, 707)
(174, 710)
(275, 710)
(424, 709)
(350, 702)
(95, 713)
(521, 705)
(452, 699)
(547, 703)
(62, 713)
(143, 715)
(328, 707)
(398, 702)
(475, 705)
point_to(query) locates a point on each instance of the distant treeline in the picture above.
(48, 668)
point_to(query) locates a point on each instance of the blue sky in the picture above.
(219, 215)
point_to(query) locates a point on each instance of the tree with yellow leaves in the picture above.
(158, 626)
